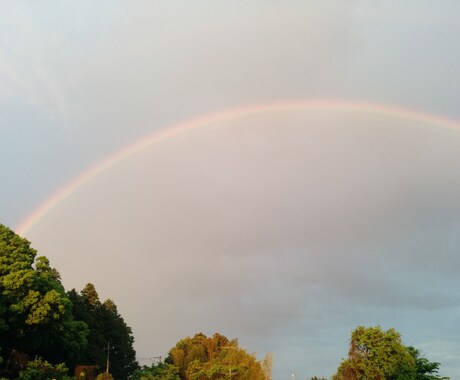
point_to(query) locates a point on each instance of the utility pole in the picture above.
(108, 357)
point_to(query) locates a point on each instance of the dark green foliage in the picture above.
(107, 329)
(160, 371)
(120, 336)
(425, 370)
(82, 310)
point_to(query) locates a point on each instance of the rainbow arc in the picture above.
(214, 119)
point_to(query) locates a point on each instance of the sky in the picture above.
(284, 228)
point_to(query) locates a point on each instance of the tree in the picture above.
(31, 295)
(84, 311)
(39, 369)
(216, 357)
(108, 330)
(38, 319)
(160, 371)
(376, 354)
(90, 295)
(120, 337)
(267, 366)
(425, 370)
(35, 312)
(104, 376)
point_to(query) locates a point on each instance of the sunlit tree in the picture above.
(267, 365)
(375, 354)
(35, 312)
(212, 358)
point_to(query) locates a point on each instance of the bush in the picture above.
(104, 376)
(39, 369)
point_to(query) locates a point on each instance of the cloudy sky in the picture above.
(285, 228)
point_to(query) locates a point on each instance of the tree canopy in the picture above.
(376, 354)
(425, 370)
(38, 319)
(160, 371)
(108, 331)
(216, 357)
(35, 312)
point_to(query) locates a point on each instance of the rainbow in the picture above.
(215, 118)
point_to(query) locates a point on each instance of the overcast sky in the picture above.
(285, 229)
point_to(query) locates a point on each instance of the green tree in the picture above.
(83, 310)
(119, 335)
(160, 371)
(107, 327)
(35, 312)
(39, 369)
(31, 295)
(425, 370)
(375, 354)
